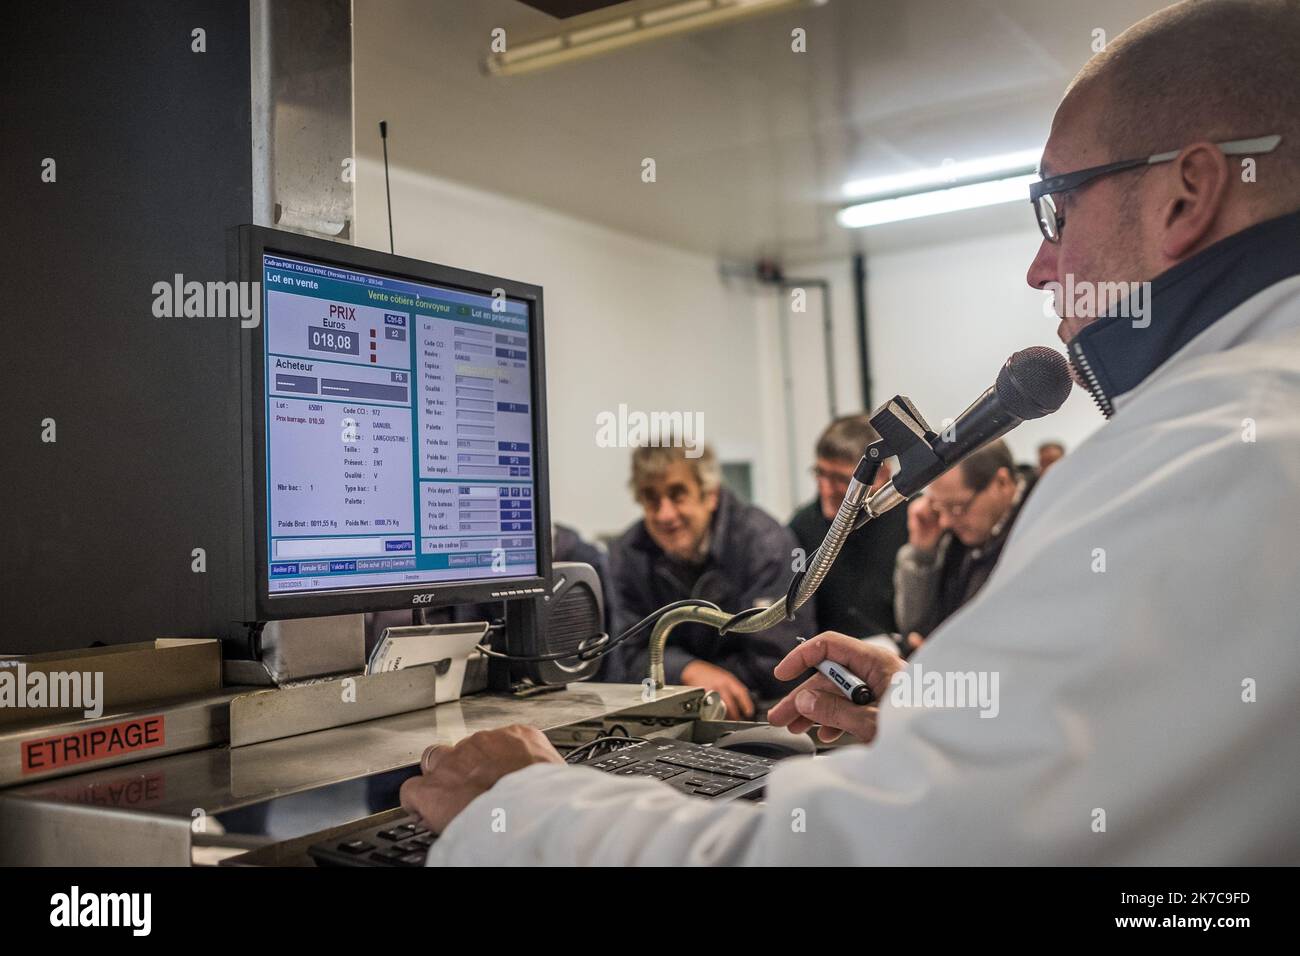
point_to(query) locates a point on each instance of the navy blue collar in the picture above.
(1114, 357)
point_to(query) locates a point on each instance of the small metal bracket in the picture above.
(905, 435)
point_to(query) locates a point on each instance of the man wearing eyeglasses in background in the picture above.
(1142, 617)
(857, 596)
(955, 532)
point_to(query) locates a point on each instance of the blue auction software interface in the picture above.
(399, 434)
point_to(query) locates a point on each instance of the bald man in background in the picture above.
(1142, 616)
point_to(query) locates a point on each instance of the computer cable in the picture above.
(599, 645)
(593, 745)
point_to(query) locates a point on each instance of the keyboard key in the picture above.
(713, 789)
(610, 764)
(714, 763)
(678, 760)
(355, 847)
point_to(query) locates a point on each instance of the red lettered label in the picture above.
(94, 743)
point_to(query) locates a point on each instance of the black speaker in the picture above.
(570, 612)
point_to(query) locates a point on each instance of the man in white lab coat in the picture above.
(1124, 689)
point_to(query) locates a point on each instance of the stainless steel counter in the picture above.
(154, 812)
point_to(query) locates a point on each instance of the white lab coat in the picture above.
(1122, 735)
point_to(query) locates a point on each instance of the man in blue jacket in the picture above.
(698, 540)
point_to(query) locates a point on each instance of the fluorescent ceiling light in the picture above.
(594, 38)
(950, 173)
(937, 201)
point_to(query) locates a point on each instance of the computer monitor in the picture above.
(395, 432)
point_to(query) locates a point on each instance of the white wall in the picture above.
(792, 437)
(943, 318)
(626, 320)
(635, 322)
(630, 321)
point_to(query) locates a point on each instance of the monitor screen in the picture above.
(399, 441)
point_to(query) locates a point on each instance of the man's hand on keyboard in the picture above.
(817, 701)
(453, 776)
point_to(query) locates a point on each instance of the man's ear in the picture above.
(1200, 185)
(711, 500)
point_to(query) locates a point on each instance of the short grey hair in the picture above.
(649, 462)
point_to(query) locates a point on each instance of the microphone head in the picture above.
(1034, 382)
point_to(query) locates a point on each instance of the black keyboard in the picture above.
(691, 768)
(694, 769)
(401, 842)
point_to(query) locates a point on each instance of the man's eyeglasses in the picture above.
(957, 510)
(836, 480)
(1040, 193)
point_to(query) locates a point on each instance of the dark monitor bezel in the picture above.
(253, 242)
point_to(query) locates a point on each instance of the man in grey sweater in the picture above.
(955, 532)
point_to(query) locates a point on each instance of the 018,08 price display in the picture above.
(332, 340)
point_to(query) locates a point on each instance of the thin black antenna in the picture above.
(383, 135)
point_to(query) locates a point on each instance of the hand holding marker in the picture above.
(849, 684)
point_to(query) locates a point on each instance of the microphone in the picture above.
(1032, 383)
